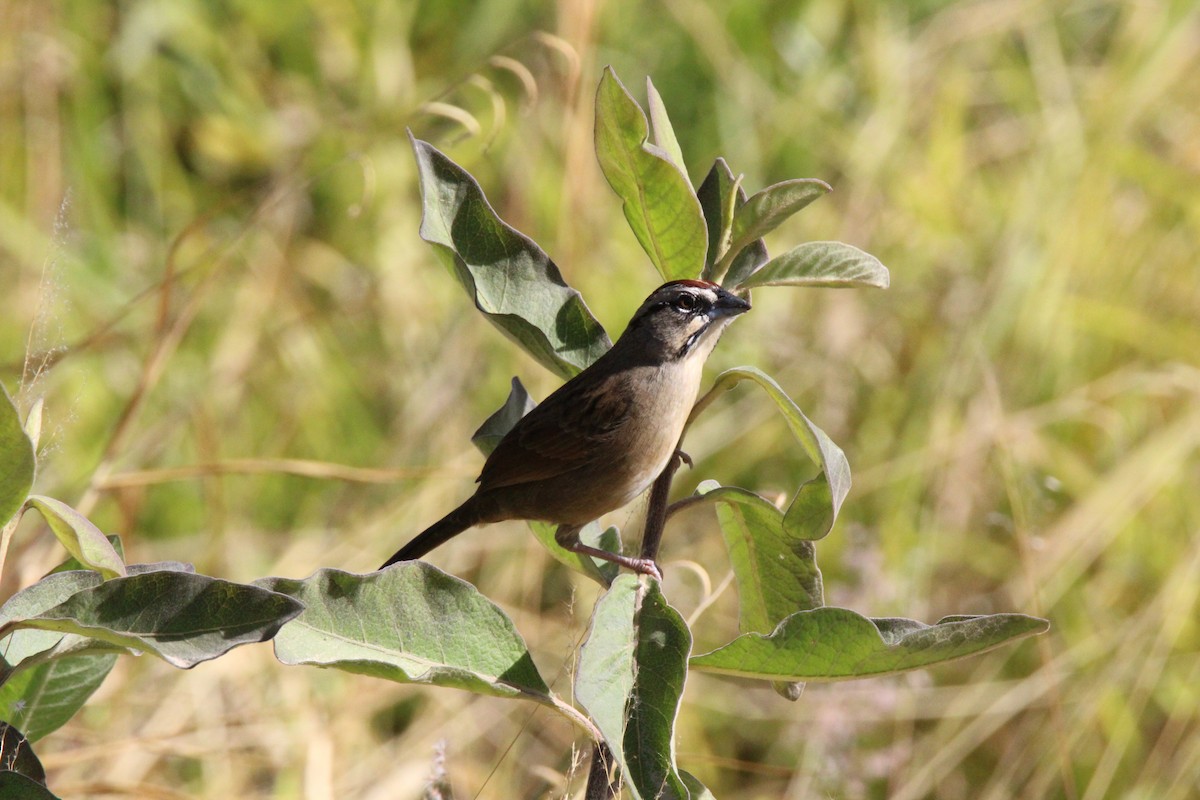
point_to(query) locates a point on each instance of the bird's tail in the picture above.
(438, 533)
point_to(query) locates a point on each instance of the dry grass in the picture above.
(213, 206)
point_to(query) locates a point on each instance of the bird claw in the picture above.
(684, 458)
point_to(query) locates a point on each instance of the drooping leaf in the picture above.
(509, 278)
(631, 674)
(776, 572)
(661, 128)
(409, 623)
(657, 197)
(40, 700)
(815, 508)
(180, 617)
(830, 264)
(79, 536)
(16, 459)
(831, 644)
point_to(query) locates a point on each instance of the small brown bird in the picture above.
(602, 438)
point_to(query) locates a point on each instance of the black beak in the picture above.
(729, 305)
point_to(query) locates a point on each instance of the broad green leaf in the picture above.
(79, 536)
(815, 508)
(39, 700)
(493, 429)
(16, 459)
(776, 572)
(409, 623)
(15, 786)
(631, 674)
(660, 127)
(832, 644)
(720, 196)
(180, 617)
(766, 210)
(657, 198)
(830, 264)
(510, 279)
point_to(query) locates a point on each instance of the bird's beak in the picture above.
(729, 305)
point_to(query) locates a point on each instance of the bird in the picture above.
(601, 438)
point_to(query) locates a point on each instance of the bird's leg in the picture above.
(567, 537)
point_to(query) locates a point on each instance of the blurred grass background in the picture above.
(211, 271)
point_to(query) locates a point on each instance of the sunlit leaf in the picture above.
(661, 128)
(769, 208)
(657, 198)
(830, 264)
(409, 623)
(509, 278)
(631, 674)
(815, 508)
(16, 459)
(776, 572)
(79, 536)
(830, 644)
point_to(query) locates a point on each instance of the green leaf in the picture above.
(768, 209)
(494, 428)
(832, 644)
(830, 264)
(409, 623)
(815, 508)
(16, 460)
(17, 756)
(15, 786)
(79, 536)
(657, 197)
(509, 278)
(180, 617)
(660, 126)
(40, 700)
(631, 674)
(720, 196)
(697, 789)
(776, 572)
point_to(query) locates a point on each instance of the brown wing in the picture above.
(559, 435)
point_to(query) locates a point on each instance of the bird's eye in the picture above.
(686, 302)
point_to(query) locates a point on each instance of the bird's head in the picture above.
(685, 318)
